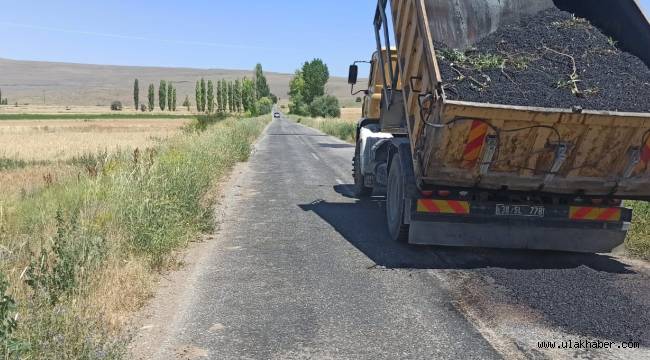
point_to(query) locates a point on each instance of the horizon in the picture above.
(252, 70)
(89, 36)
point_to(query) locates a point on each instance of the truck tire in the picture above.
(395, 202)
(360, 189)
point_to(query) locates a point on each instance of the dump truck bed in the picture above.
(493, 146)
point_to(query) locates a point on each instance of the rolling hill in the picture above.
(50, 83)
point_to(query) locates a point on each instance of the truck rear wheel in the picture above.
(360, 189)
(395, 202)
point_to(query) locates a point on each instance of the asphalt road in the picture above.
(301, 270)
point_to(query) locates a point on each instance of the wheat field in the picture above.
(57, 140)
(351, 114)
(38, 153)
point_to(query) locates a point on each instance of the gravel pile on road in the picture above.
(550, 59)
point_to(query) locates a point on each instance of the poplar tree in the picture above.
(170, 95)
(204, 95)
(162, 95)
(174, 100)
(223, 107)
(229, 96)
(197, 96)
(136, 95)
(248, 97)
(261, 85)
(237, 95)
(210, 97)
(232, 97)
(224, 95)
(151, 96)
(254, 89)
(217, 96)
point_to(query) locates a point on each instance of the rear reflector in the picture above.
(594, 213)
(443, 206)
(645, 152)
(475, 140)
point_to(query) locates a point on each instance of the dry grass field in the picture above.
(351, 113)
(81, 109)
(56, 140)
(21, 181)
(343, 128)
(39, 153)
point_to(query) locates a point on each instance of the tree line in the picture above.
(166, 96)
(307, 91)
(251, 96)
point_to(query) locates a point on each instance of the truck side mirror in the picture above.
(354, 73)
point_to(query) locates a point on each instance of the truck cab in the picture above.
(374, 92)
(372, 131)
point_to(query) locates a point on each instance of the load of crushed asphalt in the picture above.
(550, 59)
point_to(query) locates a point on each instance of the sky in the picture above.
(224, 34)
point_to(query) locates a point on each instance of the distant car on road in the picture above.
(276, 115)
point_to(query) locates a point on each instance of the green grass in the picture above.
(484, 62)
(638, 239)
(478, 62)
(342, 129)
(61, 245)
(103, 116)
(487, 61)
(574, 22)
(8, 163)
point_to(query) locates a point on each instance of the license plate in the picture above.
(520, 210)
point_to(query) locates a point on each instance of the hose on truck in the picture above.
(498, 132)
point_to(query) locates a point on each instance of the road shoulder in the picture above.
(153, 327)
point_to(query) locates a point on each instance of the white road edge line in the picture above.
(315, 156)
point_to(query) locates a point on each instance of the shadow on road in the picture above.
(588, 295)
(363, 224)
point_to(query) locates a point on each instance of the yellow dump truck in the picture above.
(462, 173)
